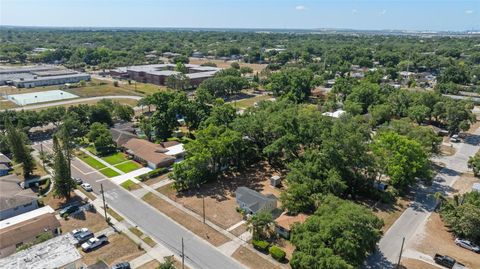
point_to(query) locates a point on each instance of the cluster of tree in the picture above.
(455, 60)
(226, 83)
(17, 143)
(101, 138)
(462, 215)
(339, 235)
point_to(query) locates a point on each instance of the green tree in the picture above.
(18, 146)
(63, 182)
(292, 83)
(474, 164)
(419, 113)
(168, 263)
(101, 138)
(401, 159)
(339, 235)
(260, 225)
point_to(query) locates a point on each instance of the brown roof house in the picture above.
(284, 223)
(153, 155)
(14, 200)
(25, 228)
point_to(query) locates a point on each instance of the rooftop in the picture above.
(148, 151)
(54, 253)
(4, 159)
(12, 195)
(252, 198)
(25, 216)
(286, 221)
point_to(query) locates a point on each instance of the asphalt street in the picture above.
(414, 218)
(165, 231)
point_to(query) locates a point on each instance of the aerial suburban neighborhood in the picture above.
(183, 137)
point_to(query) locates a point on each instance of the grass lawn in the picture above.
(130, 185)
(102, 88)
(245, 103)
(114, 215)
(108, 172)
(91, 161)
(149, 241)
(136, 231)
(115, 158)
(128, 166)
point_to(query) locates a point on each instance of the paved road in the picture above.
(198, 253)
(74, 101)
(413, 219)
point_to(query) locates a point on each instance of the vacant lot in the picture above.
(227, 64)
(119, 249)
(252, 259)
(220, 204)
(415, 264)
(248, 102)
(437, 239)
(189, 222)
(464, 183)
(91, 220)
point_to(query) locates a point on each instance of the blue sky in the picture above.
(307, 14)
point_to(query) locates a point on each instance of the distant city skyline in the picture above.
(419, 15)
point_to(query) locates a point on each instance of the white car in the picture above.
(78, 231)
(467, 244)
(87, 186)
(455, 138)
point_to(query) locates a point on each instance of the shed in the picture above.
(275, 181)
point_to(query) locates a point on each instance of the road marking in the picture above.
(100, 180)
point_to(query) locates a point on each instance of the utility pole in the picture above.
(203, 201)
(400, 256)
(183, 255)
(104, 204)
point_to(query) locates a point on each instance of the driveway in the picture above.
(411, 222)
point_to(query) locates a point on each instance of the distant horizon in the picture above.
(235, 28)
(362, 15)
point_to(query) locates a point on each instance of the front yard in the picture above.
(91, 220)
(219, 196)
(119, 249)
(128, 166)
(109, 172)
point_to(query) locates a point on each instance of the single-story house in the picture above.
(252, 201)
(14, 200)
(122, 136)
(59, 252)
(152, 154)
(335, 114)
(25, 228)
(284, 223)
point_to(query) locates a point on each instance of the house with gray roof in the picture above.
(14, 200)
(252, 201)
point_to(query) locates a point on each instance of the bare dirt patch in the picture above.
(415, 264)
(155, 180)
(447, 150)
(437, 239)
(220, 204)
(227, 64)
(464, 183)
(239, 230)
(93, 221)
(388, 212)
(119, 249)
(57, 203)
(189, 222)
(252, 259)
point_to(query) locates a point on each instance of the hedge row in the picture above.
(276, 252)
(154, 173)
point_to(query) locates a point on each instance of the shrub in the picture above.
(277, 253)
(260, 245)
(154, 173)
(46, 187)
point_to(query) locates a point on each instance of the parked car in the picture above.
(122, 265)
(78, 231)
(447, 261)
(467, 244)
(83, 237)
(77, 180)
(455, 138)
(87, 186)
(94, 243)
(68, 210)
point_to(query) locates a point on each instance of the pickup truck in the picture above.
(448, 262)
(93, 243)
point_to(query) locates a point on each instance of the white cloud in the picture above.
(469, 11)
(354, 11)
(300, 8)
(383, 12)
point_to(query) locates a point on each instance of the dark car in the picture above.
(122, 265)
(68, 209)
(83, 237)
(77, 180)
